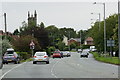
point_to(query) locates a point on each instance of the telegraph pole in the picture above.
(119, 26)
(5, 26)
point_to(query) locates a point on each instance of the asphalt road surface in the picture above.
(67, 67)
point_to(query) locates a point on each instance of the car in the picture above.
(66, 54)
(56, 54)
(11, 56)
(79, 50)
(84, 54)
(61, 54)
(40, 57)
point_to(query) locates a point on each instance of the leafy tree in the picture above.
(22, 44)
(16, 32)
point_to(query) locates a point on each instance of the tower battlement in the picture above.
(32, 19)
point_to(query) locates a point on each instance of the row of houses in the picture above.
(88, 41)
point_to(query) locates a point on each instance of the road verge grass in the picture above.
(27, 60)
(111, 60)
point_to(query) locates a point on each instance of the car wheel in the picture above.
(15, 62)
(34, 62)
(6, 62)
(47, 62)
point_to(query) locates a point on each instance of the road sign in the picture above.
(32, 43)
(110, 43)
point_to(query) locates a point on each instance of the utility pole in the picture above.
(119, 26)
(80, 39)
(5, 26)
(69, 40)
(104, 30)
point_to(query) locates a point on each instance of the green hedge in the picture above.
(23, 55)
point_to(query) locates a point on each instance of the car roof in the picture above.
(10, 49)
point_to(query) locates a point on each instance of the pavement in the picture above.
(67, 67)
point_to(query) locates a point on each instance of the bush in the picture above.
(50, 50)
(5, 44)
(23, 55)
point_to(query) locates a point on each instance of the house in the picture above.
(65, 40)
(89, 41)
(74, 40)
(1, 32)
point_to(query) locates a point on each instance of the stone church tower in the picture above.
(32, 20)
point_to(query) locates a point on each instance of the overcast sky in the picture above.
(62, 14)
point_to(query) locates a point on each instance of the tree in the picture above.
(16, 32)
(22, 44)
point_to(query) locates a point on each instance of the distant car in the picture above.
(79, 50)
(84, 54)
(66, 54)
(61, 54)
(56, 54)
(41, 57)
(11, 56)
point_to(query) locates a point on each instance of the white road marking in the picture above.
(11, 70)
(53, 68)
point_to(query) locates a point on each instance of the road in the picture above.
(67, 67)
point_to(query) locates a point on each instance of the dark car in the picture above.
(84, 54)
(11, 56)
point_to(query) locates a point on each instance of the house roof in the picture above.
(76, 39)
(89, 39)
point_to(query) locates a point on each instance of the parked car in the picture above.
(66, 54)
(11, 56)
(84, 54)
(40, 57)
(56, 54)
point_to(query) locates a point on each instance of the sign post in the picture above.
(110, 43)
(32, 47)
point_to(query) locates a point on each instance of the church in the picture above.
(32, 19)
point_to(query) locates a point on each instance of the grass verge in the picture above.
(30, 59)
(111, 60)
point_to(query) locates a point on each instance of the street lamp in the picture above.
(97, 19)
(104, 26)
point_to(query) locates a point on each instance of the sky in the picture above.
(71, 14)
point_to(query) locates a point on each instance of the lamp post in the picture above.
(104, 26)
(99, 18)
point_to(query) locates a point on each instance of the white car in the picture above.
(66, 54)
(41, 57)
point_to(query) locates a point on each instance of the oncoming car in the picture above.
(84, 54)
(41, 57)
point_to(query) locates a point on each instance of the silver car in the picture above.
(41, 57)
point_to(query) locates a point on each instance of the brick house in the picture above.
(89, 41)
(74, 40)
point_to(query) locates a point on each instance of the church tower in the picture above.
(32, 20)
